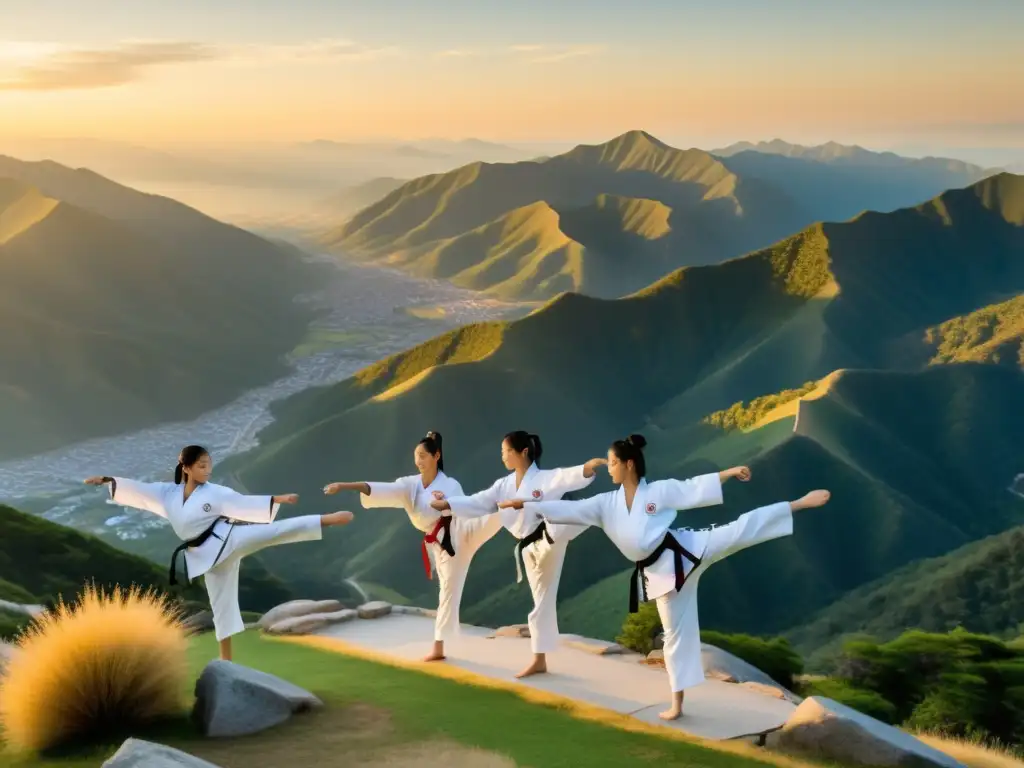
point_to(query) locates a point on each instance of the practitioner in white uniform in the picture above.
(638, 516)
(541, 547)
(219, 527)
(448, 544)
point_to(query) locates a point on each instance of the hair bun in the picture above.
(638, 441)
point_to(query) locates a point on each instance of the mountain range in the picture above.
(123, 310)
(878, 356)
(608, 219)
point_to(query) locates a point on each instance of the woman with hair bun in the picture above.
(638, 519)
(218, 527)
(541, 546)
(448, 544)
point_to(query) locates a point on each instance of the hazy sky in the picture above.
(943, 71)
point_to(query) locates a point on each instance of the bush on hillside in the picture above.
(957, 684)
(640, 629)
(93, 669)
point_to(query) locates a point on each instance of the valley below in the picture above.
(366, 314)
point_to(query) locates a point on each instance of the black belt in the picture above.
(197, 542)
(678, 552)
(540, 531)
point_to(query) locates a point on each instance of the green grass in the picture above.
(373, 707)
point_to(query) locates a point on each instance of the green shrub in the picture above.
(640, 629)
(868, 702)
(957, 684)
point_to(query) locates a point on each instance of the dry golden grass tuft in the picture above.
(106, 663)
(974, 754)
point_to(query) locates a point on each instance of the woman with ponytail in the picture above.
(541, 547)
(218, 527)
(638, 519)
(448, 545)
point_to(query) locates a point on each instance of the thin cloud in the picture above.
(550, 54)
(53, 68)
(83, 69)
(312, 50)
(455, 53)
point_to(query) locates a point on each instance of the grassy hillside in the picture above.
(918, 461)
(582, 221)
(40, 561)
(116, 303)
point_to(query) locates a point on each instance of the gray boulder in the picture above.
(136, 753)
(832, 732)
(311, 622)
(412, 610)
(295, 608)
(374, 609)
(722, 665)
(515, 630)
(199, 622)
(232, 700)
(590, 645)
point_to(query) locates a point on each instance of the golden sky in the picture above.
(305, 70)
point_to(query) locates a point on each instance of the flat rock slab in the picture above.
(374, 609)
(295, 608)
(232, 700)
(136, 753)
(412, 610)
(724, 666)
(714, 710)
(303, 625)
(514, 630)
(828, 730)
(590, 645)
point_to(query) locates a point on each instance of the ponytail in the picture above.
(524, 441)
(189, 455)
(632, 449)
(432, 443)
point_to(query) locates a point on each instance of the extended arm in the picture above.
(696, 492)
(567, 479)
(372, 495)
(252, 509)
(480, 504)
(131, 493)
(588, 511)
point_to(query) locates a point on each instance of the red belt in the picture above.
(444, 523)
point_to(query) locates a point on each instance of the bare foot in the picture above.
(812, 499)
(336, 518)
(437, 654)
(538, 667)
(673, 712)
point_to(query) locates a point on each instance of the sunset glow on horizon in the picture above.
(867, 72)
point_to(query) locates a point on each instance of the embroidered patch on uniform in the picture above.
(652, 508)
(207, 507)
(537, 494)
